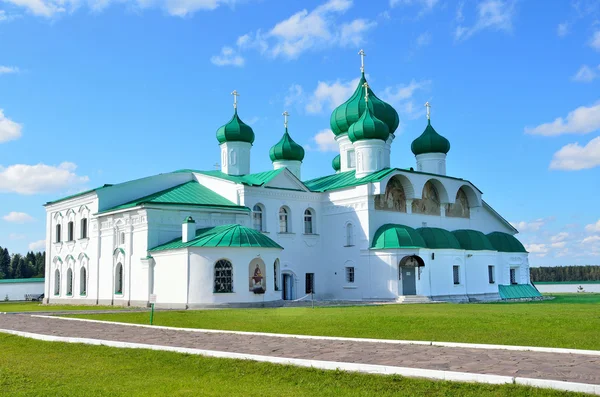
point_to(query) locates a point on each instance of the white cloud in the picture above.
(399, 93)
(560, 244)
(574, 157)
(7, 69)
(228, 57)
(585, 74)
(330, 95)
(423, 39)
(595, 41)
(9, 130)
(582, 120)
(39, 245)
(18, 217)
(426, 5)
(325, 141)
(591, 240)
(560, 237)
(318, 29)
(537, 249)
(40, 178)
(180, 8)
(295, 94)
(593, 227)
(532, 226)
(562, 29)
(491, 14)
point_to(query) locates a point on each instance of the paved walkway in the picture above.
(552, 366)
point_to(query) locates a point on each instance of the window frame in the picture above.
(261, 215)
(285, 213)
(69, 282)
(349, 235)
(228, 278)
(83, 281)
(83, 233)
(276, 275)
(58, 231)
(57, 282)
(512, 274)
(350, 274)
(309, 213)
(309, 287)
(491, 274)
(119, 273)
(456, 274)
(71, 231)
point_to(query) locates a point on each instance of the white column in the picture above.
(433, 163)
(235, 158)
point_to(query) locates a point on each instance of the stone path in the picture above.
(552, 366)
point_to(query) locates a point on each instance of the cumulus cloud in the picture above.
(9, 130)
(491, 14)
(228, 57)
(39, 245)
(352, 33)
(18, 217)
(574, 157)
(537, 249)
(585, 74)
(40, 178)
(593, 227)
(582, 120)
(595, 41)
(325, 141)
(294, 95)
(330, 95)
(7, 69)
(532, 226)
(591, 240)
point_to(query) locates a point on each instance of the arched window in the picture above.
(223, 276)
(83, 281)
(119, 279)
(69, 282)
(349, 235)
(257, 217)
(70, 230)
(276, 274)
(284, 220)
(58, 233)
(57, 282)
(121, 238)
(308, 222)
(84, 228)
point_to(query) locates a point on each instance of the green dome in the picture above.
(397, 236)
(286, 149)
(430, 142)
(368, 127)
(505, 242)
(473, 240)
(350, 111)
(438, 238)
(336, 163)
(235, 131)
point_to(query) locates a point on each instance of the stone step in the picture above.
(413, 299)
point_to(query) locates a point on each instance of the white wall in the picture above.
(16, 291)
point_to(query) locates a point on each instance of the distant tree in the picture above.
(5, 263)
(565, 273)
(15, 266)
(40, 264)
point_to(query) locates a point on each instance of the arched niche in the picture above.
(394, 198)
(461, 208)
(431, 198)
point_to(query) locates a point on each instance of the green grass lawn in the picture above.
(569, 321)
(34, 368)
(38, 307)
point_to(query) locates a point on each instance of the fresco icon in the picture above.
(258, 278)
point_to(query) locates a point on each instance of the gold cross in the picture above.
(362, 60)
(235, 95)
(428, 106)
(285, 118)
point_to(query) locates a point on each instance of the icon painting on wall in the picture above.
(258, 279)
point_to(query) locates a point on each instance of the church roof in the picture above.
(258, 179)
(286, 149)
(189, 193)
(78, 194)
(336, 163)
(235, 131)
(368, 126)
(438, 238)
(234, 236)
(473, 240)
(505, 242)
(430, 142)
(397, 236)
(345, 179)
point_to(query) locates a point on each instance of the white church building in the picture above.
(233, 237)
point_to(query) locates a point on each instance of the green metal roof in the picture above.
(438, 238)
(430, 142)
(345, 179)
(336, 163)
(189, 193)
(223, 236)
(235, 131)
(505, 242)
(518, 291)
(473, 240)
(350, 111)
(397, 236)
(286, 149)
(368, 126)
(78, 194)
(258, 179)
(22, 280)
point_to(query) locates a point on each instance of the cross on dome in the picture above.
(285, 118)
(235, 95)
(428, 106)
(362, 60)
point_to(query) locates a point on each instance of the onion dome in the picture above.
(235, 131)
(430, 142)
(336, 163)
(350, 111)
(286, 149)
(368, 127)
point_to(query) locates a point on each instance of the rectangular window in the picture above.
(84, 228)
(513, 276)
(58, 233)
(351, 159)
(70, 231)
(491, 274)
(350, 274)
(456, 274)
(310, 283)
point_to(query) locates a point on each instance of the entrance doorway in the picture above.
(288, 287)
(408, 269)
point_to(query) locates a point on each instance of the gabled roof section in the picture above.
(497, 215)
(78, 194)
(258, 179)
(222, 236)
(345, 179)
(189, 193)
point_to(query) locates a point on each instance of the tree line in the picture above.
(565, 273)
(21, 266)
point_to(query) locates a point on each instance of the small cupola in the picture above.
(336, 163)
(188, 229)
(430, 149)
(286, 152)
(235, 139)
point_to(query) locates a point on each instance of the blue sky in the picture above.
(103, 91)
